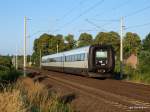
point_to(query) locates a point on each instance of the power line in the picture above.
(137, 26)
(136, 12)
(70, 11)
(83, 30)
(29, 36)
(84, 12)
(121, 5)
(116, 7)
(97, 26)
(107, 20)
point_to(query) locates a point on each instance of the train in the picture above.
(91, 61)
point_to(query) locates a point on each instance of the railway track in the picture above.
(108, 95)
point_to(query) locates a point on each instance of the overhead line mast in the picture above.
(25, 45)
(121, 47)
(25, 34)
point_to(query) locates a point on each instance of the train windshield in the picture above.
(101, 54)
(101, 58)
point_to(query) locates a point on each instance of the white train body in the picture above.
(76, 61)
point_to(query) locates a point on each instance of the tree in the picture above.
(109, 38)
(146, 43)
(43, 44)
(144, 61)
(5, 61)
(71, 43)
(59, 42)
(131, 44)
(47, 44)
(144, 56)
(35, 46)
(85, 39)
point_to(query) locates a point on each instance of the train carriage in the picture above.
(93, 61)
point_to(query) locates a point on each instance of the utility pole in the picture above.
(121, 48)
(57, 47)
(16, 59)
(30, 63)
(25, 33)
(40, 59)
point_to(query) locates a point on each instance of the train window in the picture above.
(101, 54)
(67, 58)
(52, 60)
(62, 59)
(85, 56)
(73, 58)
(82, 57)
(56, 59)
(78, 57)
(70, 58)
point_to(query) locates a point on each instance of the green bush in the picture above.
(117, 66)
(136, 75)
(9, 76)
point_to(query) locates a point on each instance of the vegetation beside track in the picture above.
(19, 94)
(142, 72)
(27, 96)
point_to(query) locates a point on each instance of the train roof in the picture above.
(75, 51)
(70, 52)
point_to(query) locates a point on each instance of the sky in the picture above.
(68, 17)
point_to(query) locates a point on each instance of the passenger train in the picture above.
(92, 61)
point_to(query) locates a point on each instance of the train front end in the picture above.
(101, 61)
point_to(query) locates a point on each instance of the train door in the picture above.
(62, 62)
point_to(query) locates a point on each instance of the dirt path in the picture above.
(94, 95)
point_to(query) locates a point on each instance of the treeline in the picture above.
(132, 44)
(50, 44)
(5, 62)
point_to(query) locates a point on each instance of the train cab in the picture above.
(101, 59)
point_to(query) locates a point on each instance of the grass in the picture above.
(136, 75)
(11, 101)
(24, 95)
(141, 78)
(27, 96)
(9, 75)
